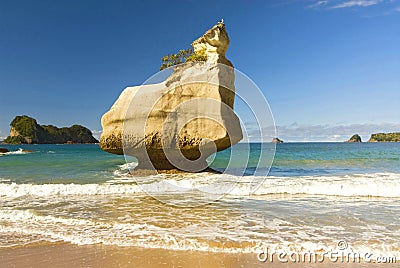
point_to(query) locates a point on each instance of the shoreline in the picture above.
(63, 254)
(315, 196)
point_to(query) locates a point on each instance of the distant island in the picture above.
(385, 137)
(25, 130)
(277, 140)
(355, 138)
(378, 137)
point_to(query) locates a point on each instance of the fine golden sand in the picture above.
(68, 255)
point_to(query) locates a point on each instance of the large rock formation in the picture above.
(178, 123)
(385, 137)
(25, 129)
(355, 138)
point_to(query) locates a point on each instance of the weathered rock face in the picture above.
(355, 138)
(178, 123)
(215, 43)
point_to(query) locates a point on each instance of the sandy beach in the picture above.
(69, 255)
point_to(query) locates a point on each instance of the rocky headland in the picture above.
(385, 137)
(26, 130)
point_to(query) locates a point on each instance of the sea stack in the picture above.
(355, 138)
(277, 140)
(178, 123)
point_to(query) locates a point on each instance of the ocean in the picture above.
(314, 198)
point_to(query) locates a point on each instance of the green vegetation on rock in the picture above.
(16, 140)
(355, 138)
(25, 129)
(385, 137)
(182, 56)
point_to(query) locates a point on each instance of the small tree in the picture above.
(195, 57)
(182, 56)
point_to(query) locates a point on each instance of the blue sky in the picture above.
(327, 68)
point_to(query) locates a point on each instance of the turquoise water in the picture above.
(87, 163)
(336, 158)
(50, 163)
(296, 159)
(315, 195)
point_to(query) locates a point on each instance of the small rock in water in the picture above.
(4, 150)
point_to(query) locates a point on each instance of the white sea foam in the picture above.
(18, 190)
(237, 238)
(19, 151)
(370, 185)
(121, 174)
(377, 185)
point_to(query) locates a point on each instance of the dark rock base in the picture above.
(149, 172)
(3, 150)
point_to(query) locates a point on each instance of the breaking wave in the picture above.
(375, 185)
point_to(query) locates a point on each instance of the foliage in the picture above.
(26, 126)
(355, 138)
(386, 137)
(182, 56)
(14, 140)
(196, 57)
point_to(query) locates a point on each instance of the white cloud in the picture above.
(333, 132)
(96, 134)
(1, 137)
(313, 133)
(360, 3)
(318, 4)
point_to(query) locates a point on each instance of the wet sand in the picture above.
(68, 255)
